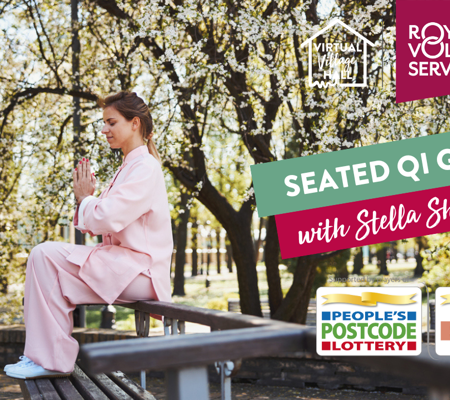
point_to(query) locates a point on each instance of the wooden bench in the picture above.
(235, 306)
(80, 386)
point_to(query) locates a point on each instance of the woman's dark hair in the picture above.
(130, 105)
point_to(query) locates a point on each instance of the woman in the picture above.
(133, 261)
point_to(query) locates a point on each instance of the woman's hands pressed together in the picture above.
(83, 181)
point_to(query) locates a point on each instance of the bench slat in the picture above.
(85, 386)
(109, 387)
(47, 390)
(29, 390)
(130, 387)
(66, 389)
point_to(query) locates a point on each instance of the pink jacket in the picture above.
(132, 215)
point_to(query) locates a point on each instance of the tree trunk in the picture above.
(180, 257)
(174, 237)
(208, 258)
(79, 314)
(381, 257)
(272, 251)
(194, 248)
(301, 311)
(294, 307)
(258, 241)
(358, 264)
(418, 271)
(238, 226)
(218, 252)
(229, 254)
(244, 256)
(394, 251)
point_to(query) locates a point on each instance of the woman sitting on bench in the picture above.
(131, 264)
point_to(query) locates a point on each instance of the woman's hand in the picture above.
(83, 181)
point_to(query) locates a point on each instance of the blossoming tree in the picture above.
(228, 85)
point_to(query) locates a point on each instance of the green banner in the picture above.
(346, 176)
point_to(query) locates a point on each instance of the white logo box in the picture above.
(442, 322)
(367, 340)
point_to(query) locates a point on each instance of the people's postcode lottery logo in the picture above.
(369, 321)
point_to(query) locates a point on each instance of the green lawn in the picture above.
(221, 288)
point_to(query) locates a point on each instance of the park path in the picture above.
(10, 390)
(248, 391)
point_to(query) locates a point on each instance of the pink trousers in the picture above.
(52, 289)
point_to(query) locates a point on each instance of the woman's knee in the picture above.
(39, 252)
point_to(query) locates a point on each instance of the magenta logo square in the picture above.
(422, 49)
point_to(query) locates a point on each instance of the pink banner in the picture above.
(423, 49)
(361, 223)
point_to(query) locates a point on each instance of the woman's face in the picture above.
(119, 132)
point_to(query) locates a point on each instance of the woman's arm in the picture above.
(124, 204)
(76, 221)
(83, 186)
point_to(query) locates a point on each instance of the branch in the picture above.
(28, 94)
(326, 256)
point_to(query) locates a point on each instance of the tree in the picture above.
(180, 257)
(215, 74)
(194, 243)
(382, 260)
(358, 264)
(422, 244)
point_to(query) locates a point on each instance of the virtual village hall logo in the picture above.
(369, 321)
(336, 54)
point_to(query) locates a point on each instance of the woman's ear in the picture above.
(136, 123)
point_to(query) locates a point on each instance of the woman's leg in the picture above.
(141, 288)
(52, 289)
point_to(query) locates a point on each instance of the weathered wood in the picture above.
(190, 350)
(130, 387)
(109, 387)
(29, 390)
(85, 386)
(47, 390)
(422, 369)
(142, 323)
(214, 318)
(79, 386)
(66, 389)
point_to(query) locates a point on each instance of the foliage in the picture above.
(218, 304)
(437, 261)
(331, 266)
(227, 86)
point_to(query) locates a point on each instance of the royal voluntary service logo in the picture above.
(423, 49)
(369, 321)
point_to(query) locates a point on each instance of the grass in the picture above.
(215, 296)
(222, 286)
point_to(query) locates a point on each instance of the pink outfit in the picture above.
(132, 263)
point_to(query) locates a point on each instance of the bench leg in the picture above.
(143, 380)
(187, 384)
(142, 323)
